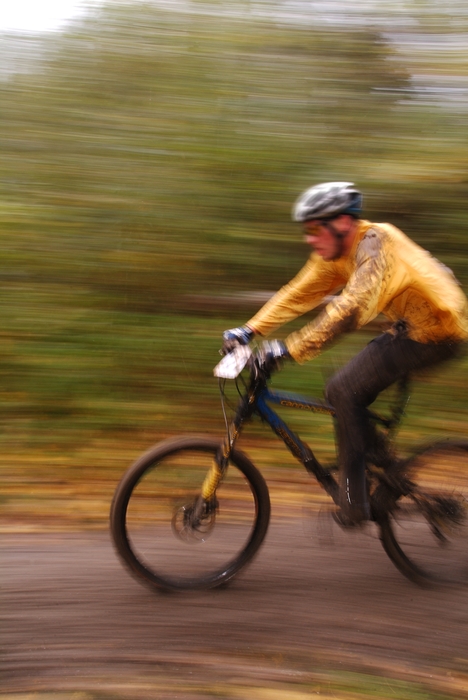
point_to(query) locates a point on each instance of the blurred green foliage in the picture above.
(149, 163)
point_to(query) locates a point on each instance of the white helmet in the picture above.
(328, 200)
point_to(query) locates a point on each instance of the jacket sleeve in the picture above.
(316, 280)
(353, 308)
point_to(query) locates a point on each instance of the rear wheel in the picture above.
(159, 530)
(426, 535)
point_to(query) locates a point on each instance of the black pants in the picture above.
(384, 361)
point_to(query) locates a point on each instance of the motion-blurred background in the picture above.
(151, 153)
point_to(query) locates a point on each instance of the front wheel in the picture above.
(426, 534)
(153, 524)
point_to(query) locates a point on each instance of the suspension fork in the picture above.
(220, 462)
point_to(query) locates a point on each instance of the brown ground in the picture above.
(326, 615)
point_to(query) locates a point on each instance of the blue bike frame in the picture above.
(298, 448)
(256, 402)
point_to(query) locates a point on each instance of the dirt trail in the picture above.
(74, 620)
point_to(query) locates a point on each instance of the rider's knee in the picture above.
(341, 391)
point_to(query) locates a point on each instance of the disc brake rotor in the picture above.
(190, 527)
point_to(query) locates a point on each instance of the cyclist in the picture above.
(380, 270)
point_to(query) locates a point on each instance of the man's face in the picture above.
(325, 243)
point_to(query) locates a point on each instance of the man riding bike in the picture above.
(380, 270)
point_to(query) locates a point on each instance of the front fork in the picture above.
(219, 466)
(221, 460)
(194, 521)
(213, 479)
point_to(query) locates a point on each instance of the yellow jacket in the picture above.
(384, 272)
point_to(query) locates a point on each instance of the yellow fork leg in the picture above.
(212, 481)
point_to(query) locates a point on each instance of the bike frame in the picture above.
(293, 442)
(256, 402)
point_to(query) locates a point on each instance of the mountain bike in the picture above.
(192, 512)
